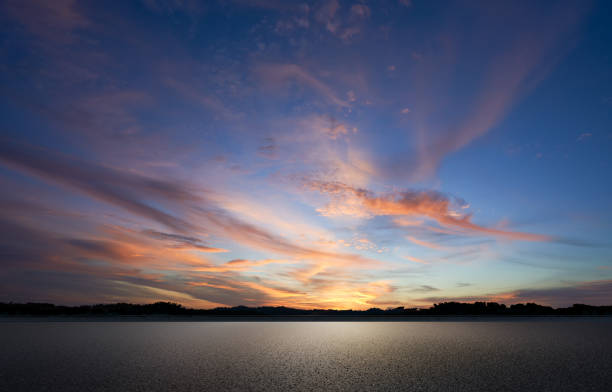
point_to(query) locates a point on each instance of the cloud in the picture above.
(120, 188)
(90, 257)
(426, 244)
(351, 96)
(324, 144)
(128, 224)
(328, 126)
(129, 190)
(52, 21)
(597, 292)
(349, 294)
(325, 14)
(592, 293)
(269, 148)
(335, 130)
(274, 292)
(76, 288)
(416, 260)
(347, 200)
(253, 236)
(172, 7)
(183, 242)
(424, 289)
(584, 136)
(104, 121)
(216, 286)
(274, 5)
(342, 24)
(349, 33)
(193, 94)
(242, 265)
(277, 74)
(507, 75)
(360, 10)
(118, 262)
(113, 263)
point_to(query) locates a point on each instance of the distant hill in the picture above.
(173, 309)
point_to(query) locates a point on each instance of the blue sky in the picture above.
(326, 154)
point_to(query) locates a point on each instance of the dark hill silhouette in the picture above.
(173, 309)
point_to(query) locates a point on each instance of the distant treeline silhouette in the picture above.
(173, 309)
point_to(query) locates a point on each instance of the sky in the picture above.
(326, 154)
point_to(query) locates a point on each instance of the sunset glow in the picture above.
(327, 154)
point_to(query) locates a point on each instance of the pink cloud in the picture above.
(51, 20)
(506, 78)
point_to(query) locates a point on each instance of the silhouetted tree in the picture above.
(173, 309)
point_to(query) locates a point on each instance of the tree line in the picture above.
(174, 309)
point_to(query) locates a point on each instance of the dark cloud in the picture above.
(424, 289)
(21, 246)
(591, 293)
(95, 247)
(121, 188)
(181, 241)
(268, 149)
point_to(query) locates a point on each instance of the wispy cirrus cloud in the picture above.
(523, 60)
(426, 244)
(170, 204)
(182, 241)
(196, 95)
(139, 194)
(128, 261)
(416, 260)
(118, 187)
(277, 75)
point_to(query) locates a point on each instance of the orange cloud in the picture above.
(426, 244)
(255, 237)
(241, 265)
(347, 200)
(416, 259)
(274, 292)
(217, 286)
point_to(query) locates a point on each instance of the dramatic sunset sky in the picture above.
(327, 154)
